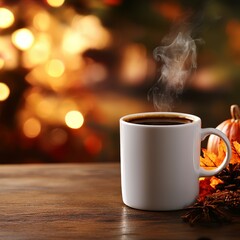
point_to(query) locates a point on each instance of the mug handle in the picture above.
(204, 133)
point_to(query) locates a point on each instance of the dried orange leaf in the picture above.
(205, 188)
(235, 152)
(221, 152)
(215, 181)
(208, 160)
(237, 147)
(221, 149)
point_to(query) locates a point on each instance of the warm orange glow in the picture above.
(73, 43)
(49, 108)
(169, 10)
(1, 63)
(4, 91)
(113, 2)
(134, 66)
(233, 27)
(55, 68)
(85, 32)
(58, 136)
(41, 21)
(8, 53)
(215, 181)
(32, 128)
(6, 18)
(210, 78)
(55, 3)
(39, 52)
(40, 75)
(95, 72)
(74, 119)
(93, 144)
(233, 32)
(45, 107)
(23, 38)
(92, 28)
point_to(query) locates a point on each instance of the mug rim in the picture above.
(129, 117)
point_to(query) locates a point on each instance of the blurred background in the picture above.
(70, 69)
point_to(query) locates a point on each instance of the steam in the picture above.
(178, 61)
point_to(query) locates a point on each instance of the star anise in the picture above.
(227, 198)
(206, 212)
(214, 207)
(230, 177)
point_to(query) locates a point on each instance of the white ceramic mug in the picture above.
(160, 163)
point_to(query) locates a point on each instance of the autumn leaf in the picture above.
(205, 188)
(210, 160)
(235, 152)
(221, 151)
(215, 181)
(235, 146)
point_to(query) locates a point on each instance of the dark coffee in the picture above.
(159, 120)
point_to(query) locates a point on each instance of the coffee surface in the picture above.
(159, 120)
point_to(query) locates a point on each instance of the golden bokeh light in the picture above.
(39, 53)
(74, 119)
(134, 64)
(23, 38)
(4, 91)
(95, 72)
(93, 144)
(41, 21)
(92, 29)
(55, 68)
(8, 53)
(1, 63)
(65, 106)
(6, 18)
(46, 108)
(31, 127)
(73, 43)
(58, 136)
(85, 32)
(55, 3)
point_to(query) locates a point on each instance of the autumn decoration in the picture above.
(231, 127)
(219, 197)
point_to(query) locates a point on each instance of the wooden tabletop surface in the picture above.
(83, 201)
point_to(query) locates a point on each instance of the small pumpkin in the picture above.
(231, 127)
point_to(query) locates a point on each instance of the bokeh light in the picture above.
(23, 38)
(134, 64)
(8, 53)
(4, 91)
(93, 144)
(39, 52)
(85, 32)
(1, 63)
(55, 68)
(41, 21)
(58, 136)
(57, 56)
(6, 18)
(74, 119)
(55, 3)
(31, 127)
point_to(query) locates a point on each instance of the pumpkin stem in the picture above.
(235, 112)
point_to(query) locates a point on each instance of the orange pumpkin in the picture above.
(231, 127)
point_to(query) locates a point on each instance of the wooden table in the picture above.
(83, 201)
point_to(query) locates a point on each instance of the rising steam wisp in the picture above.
(178, 60)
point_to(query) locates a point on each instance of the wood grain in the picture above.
(83, 201)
